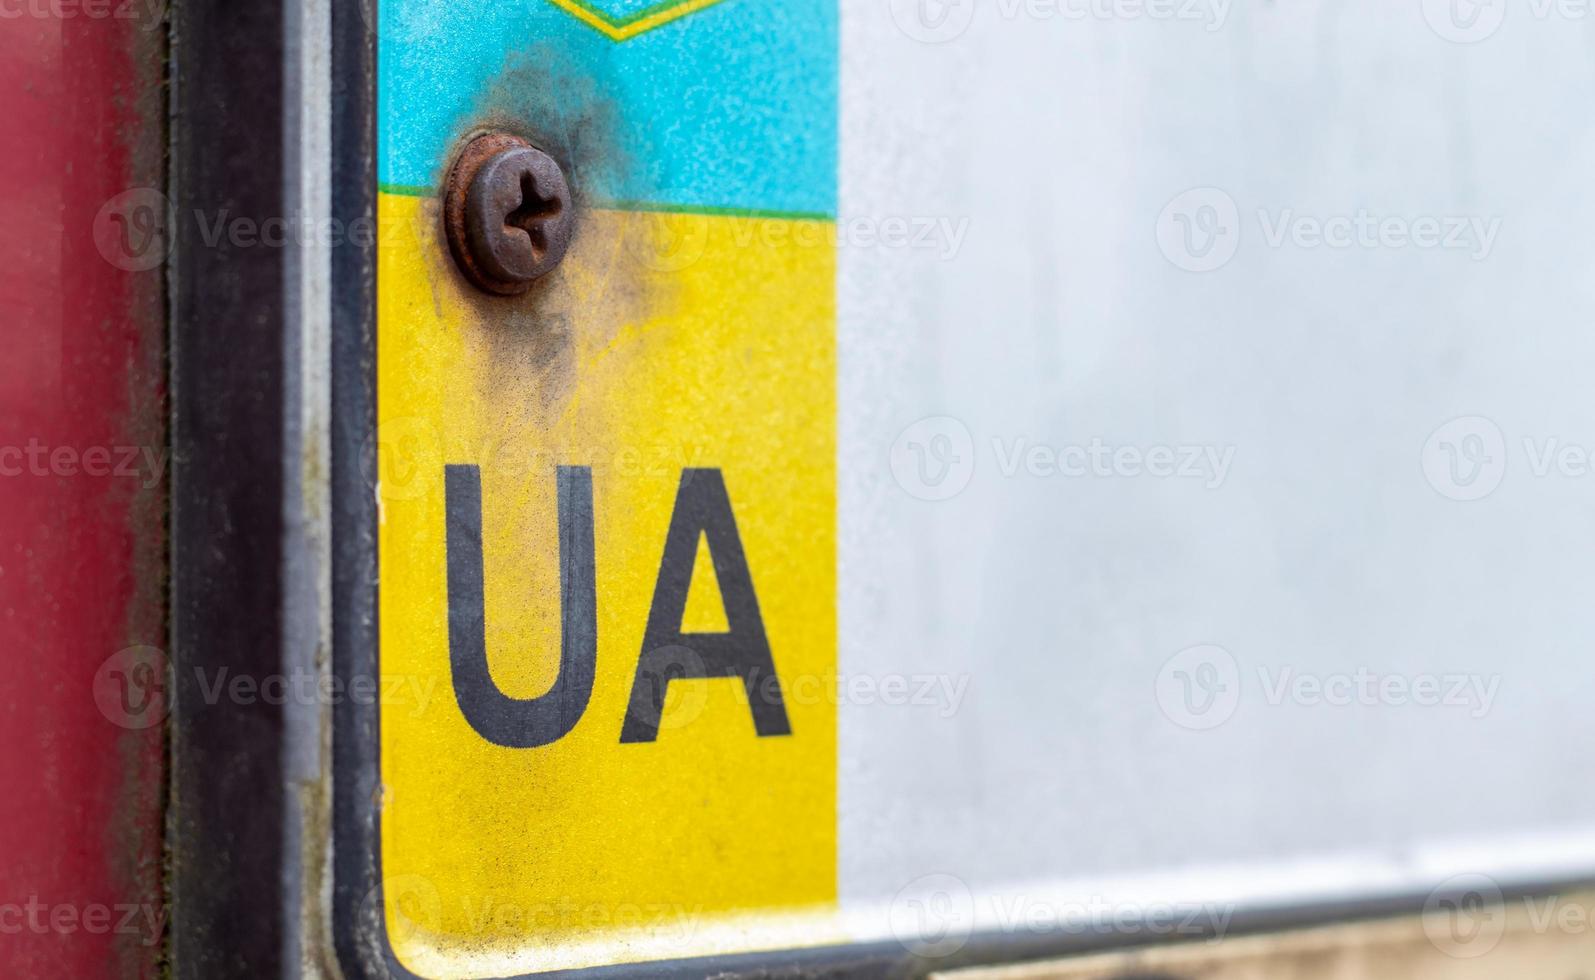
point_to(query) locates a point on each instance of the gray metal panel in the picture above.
(1337, 538)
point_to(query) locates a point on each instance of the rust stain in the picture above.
(137, 841)
(527, 344)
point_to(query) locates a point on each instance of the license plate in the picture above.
(608, 507)
(950, 504)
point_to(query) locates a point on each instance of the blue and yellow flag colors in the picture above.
(677, 373)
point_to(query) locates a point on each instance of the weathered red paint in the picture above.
(81, 556)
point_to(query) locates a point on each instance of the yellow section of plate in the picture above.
(664, 343)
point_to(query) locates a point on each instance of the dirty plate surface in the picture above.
(608, 505)
(969, 480)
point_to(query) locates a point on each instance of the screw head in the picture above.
(508, 213)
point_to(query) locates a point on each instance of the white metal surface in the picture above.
(1402, 207)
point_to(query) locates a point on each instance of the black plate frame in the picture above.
(359, 927)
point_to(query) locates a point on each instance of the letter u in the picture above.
(521, 723)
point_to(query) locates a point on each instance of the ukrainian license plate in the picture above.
(974, 476)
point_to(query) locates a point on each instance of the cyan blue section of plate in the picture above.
(728, 107)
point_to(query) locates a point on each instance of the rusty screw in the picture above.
(508, 213)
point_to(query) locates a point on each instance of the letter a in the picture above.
(703, 508)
